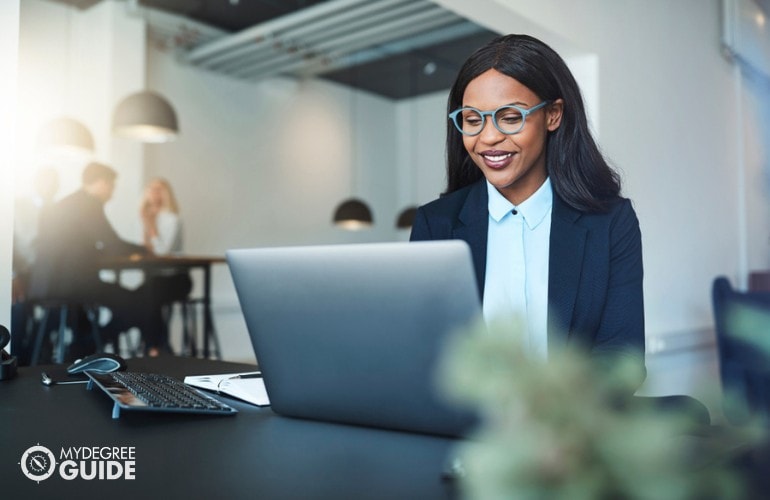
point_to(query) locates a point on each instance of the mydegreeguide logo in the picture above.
(100, 463)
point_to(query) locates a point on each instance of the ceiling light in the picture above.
(406, 218)
(66, 136)
(147, 117)
(353, 214)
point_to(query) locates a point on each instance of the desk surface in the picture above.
(254, 454)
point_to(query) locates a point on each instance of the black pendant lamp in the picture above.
(406, 218)
(147, 117)
(353, 214)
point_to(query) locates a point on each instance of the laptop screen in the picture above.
(353, 333)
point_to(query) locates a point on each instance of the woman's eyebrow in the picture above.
(514, 103)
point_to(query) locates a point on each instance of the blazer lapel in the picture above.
(567, 245)
(474, 221)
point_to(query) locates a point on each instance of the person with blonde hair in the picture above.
(162, 226)
(160, 218)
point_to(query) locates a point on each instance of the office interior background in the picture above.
(265, 162)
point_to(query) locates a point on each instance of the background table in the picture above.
(183, 264)
(254, 454)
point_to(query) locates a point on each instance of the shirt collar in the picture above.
(533, 209)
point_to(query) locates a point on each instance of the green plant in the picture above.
(561, 429)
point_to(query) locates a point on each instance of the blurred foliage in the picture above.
(747, 390)
(562, 430)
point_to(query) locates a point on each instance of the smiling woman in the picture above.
(552, 240)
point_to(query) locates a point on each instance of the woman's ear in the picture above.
(553, 114)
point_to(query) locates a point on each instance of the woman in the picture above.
(552, 239)
(162, 235)
(160, 218)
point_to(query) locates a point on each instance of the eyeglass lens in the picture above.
(507, 119)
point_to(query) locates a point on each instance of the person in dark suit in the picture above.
(74, 236)
(552, 240)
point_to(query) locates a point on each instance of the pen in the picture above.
(47, 380)
(249, 375)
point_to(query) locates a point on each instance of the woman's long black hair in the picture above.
(579, 173)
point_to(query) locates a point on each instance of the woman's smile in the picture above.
(496, 159)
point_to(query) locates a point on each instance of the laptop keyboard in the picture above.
(154, 392)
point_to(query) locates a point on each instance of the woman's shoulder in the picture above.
(620, 207)
(619, 217)
(611, 208)
(452, 203)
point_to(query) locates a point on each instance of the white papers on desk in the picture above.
(248, 386)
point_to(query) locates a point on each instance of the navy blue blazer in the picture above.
(595, 267)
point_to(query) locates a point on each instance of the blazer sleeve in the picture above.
(621, 329)
(420, 227)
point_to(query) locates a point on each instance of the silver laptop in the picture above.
(353, 333)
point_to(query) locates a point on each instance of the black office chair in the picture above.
(67, 313)
(744, 367)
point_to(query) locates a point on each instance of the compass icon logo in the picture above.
(38, 463)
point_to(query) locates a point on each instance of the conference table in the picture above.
(252, 454)
(182, 264)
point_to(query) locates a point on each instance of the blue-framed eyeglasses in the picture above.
(507, 119)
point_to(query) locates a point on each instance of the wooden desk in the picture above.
(180, 263)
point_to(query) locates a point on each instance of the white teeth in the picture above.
(497, 158)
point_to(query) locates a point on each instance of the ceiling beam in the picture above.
(287, 47)
(263, 31)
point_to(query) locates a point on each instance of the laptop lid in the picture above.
(353, 333)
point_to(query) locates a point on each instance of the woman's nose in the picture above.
(489, 133)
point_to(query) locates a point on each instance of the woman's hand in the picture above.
(148, 214)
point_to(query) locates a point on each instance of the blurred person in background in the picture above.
(75, 237)
(162, 236)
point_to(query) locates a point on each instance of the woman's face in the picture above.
(155, 193)
(514, 164)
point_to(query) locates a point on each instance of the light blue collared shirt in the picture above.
(516, 281)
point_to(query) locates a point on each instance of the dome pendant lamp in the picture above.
(147, 117)
(65, 136)
(406, 218)
(353, 214)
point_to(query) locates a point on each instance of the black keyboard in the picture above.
(154, 392)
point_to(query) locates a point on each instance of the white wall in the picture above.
(421, 128)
